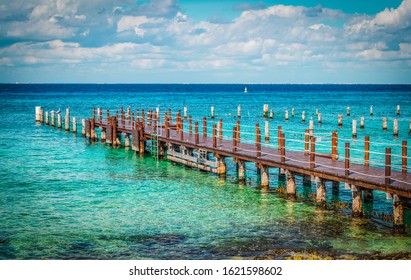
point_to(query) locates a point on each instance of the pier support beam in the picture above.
(357, 208)
(291, 189)
(103, 135)
(74, 128)
(320, 195)
(398, 212)
(221, 166)
(83, 127)
(264, 176)
(241, 170)
(368, 195)
(126, 140)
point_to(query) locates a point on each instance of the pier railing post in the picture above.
(279, 137)
(347, 158)
(404, 157)
(387, 166)
(181, 131)
(367, 151)
(312, 152)
(220, 129)
(167, 129)
(190, 125)
(143, 116)
(282, 147)
(214, 136)
(196, 133)
(234, 138)
(258, 140)
(334, 143)
(306, 142)
(204, 127)
(238, 136)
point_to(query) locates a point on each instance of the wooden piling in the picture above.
(320, 190)
(347, 158)
(292, 112)
(348, 111)
(368, 195)
(320, 120)
(267, 131)
(74, 129)
(395, 127)
(384, 123)
(220, 129)
(291, 187)
(271, 114)
(306, 142)
(204, 127)
(312, 152)
(404, 157)
(354, 129)
(83, 127)
(340, 120)
(126, 140)
(59, 121)
(286, 115)
(265, 180)
(212, 112)
(371, 111)
(67, 120)
(53, 121)
(185, 112)
(387, 166)
(398, 110)
(38, 114)
(214, 136)
(239, 111)
(196, 133)
(47, 118)
(303, 116)
(357, 208)
(265, 110)
(241, 170)
(316, 111)
(398, 211)
(367, 150)
(362, 123)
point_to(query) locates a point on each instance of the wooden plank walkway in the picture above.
(367, 177)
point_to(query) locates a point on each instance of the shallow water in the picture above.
(64, 198)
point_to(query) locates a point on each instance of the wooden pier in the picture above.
(208, 151)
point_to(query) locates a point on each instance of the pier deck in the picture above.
(368, 177)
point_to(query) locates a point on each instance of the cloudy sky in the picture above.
(189, 41)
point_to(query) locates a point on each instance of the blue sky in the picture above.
(170, 41)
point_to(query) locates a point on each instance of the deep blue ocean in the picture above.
(62, 197)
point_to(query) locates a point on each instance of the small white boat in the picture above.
(245, 90)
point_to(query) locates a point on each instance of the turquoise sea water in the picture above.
(62, 197)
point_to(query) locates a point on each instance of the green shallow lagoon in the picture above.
(62, 197)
